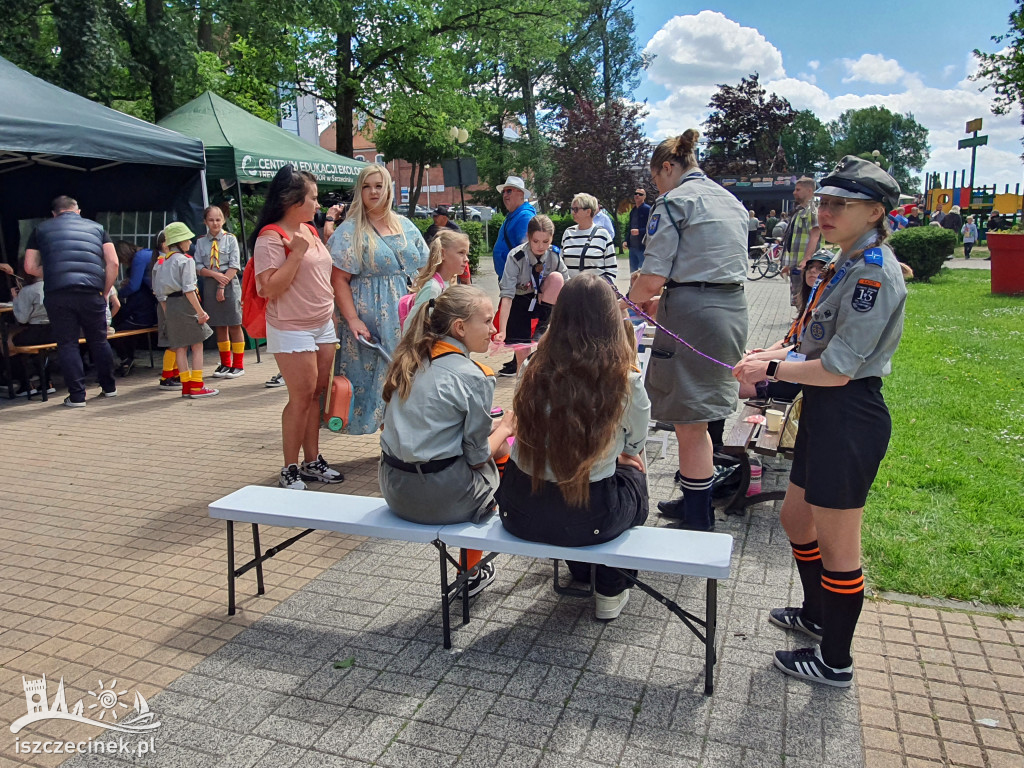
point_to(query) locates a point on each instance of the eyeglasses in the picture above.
(639, 194)
(837, 205)
(508, 191)
(576, 209)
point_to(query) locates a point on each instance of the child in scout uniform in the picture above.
(170, 378)
(440, 448)
(845, 341)
(534, 274)
(448, 258)
(175, 287)
(218, 262)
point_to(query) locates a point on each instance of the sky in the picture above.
(832, 56)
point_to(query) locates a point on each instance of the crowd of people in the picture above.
(378, 303)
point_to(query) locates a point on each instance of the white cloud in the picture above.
(948, 70)
(696, 53)
(873, 68)
(814, 64)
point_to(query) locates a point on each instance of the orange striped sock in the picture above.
(842, 600)
(808, 565)
(502, 462)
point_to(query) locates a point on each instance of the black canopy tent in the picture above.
(54, 142)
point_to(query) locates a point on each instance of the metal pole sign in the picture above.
(973, 126)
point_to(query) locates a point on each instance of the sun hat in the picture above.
(177, 232)
(515, 182)
(857, 179)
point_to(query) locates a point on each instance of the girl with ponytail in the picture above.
(448, 258)
(440, 449)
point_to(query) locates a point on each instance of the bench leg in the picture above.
(231, 568)
(149, 342)
(464, 563)
(446, 621)
(259, 561)
(710, 626)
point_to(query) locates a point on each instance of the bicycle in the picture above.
(766, 261)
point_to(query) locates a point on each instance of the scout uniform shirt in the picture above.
(521, 277)
(174, 273)
(697, 233)
(227, 256)
(855, 327)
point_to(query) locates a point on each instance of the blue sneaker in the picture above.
(807, 664)
(790, 618)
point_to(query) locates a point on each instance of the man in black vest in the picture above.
(78, 263)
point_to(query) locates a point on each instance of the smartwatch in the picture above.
(328, 218)
(773, 370)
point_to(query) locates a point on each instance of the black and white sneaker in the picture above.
(68, 402)
(172, 384)
(509, 369)
(221, 372)
(320, 471)
(234, 373)
(790, 618)
(807, 664)
(484, 576)
(290, 478)
(277, 380)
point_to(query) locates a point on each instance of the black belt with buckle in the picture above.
(709, 286)
(175, 294)
(423, 467)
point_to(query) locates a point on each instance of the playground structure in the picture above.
(981, 202)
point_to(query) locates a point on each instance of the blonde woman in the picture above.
(376, 253)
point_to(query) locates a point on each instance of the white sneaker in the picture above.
(608, 608)
(234, 373)
(320, 470)
(290, 478)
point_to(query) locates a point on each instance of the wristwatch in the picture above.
(773, 370)
(328, 218)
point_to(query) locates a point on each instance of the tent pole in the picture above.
(206, 195)
(241, 220)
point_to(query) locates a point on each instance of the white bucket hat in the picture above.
(514, 182)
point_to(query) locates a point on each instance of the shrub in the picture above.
(924, 249)
(475, 230)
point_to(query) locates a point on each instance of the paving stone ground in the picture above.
(111, 569)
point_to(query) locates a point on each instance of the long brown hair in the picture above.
(427, 327)
(573, 391)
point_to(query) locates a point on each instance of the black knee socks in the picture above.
(696, 501)
(808, 565)
(716, 429)
(842, 599)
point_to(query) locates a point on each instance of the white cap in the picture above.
(516, 183)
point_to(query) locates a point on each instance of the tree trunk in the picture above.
(606, 55)
(204, 36)
(415, 185)
(345, 97)
(161, 82)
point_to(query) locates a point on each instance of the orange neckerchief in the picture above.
(442, 348)
(796, 330)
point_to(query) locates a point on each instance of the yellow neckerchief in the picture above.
(442, 348)
(214, 253)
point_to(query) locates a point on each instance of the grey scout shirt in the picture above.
(856, 327)
(697, 233)
(177, 272)
(447, 413)
(227, 246)
(519, 278)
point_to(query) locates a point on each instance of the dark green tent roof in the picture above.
(244, 147)
(54, 142)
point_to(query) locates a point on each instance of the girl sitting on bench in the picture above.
(439, 446)
(575, 476)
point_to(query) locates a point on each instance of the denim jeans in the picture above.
(636, 258)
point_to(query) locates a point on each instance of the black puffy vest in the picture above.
(72, 253)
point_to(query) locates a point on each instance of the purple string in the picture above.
(682, 341)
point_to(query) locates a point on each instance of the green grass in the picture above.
(945, 517)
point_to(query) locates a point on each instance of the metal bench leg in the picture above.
(445, 615)
(149, 343)
(231, 568)
(710, 625)
(259, 561)
(464, 562)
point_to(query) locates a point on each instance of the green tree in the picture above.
(1003, 72)
(898, 138)
(807, 144)
(744, 129)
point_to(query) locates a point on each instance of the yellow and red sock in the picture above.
(224, 347)
(238, 355)
(170, 364)
(186, 384)
(196, 377)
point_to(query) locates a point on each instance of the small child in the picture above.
(440, 450)
(170, 378)
(218, 261)
(448, 258)
(175, 287)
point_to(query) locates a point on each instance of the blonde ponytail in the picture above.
(445, 239)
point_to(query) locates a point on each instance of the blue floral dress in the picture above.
(378, 282)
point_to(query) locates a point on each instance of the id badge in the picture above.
(795, 357)
(533, 303)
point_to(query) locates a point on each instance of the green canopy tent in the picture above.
(243, 149)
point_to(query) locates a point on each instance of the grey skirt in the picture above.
(684, 387)
(181, 324)
(227, 312)
(458, 494)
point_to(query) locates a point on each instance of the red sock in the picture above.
(237, 360)
(174, 372)
(225, 358)
(472, 557)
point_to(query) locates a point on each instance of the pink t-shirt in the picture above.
(308, 303)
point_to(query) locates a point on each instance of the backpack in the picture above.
(254, 306)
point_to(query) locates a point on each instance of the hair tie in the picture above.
(430, 304)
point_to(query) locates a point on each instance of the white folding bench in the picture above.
(661, 550)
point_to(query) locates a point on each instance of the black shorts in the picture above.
(843, 436)
(520, 319)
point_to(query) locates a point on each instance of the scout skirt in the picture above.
(227, 312)
(456, 494)
(181, 324)
(684, 387)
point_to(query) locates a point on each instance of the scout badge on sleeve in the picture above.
(652, 225)
(864, 295)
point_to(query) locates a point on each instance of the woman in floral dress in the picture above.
(376, 252)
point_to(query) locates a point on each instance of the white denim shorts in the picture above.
(279, 342)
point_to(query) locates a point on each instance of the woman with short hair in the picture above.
(587, 247)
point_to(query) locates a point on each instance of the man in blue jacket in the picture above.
(513, 229)
(637, 229)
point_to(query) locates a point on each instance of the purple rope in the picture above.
(682, 341)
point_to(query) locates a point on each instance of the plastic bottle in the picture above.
(755, 477)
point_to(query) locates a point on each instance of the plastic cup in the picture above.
(773, 420)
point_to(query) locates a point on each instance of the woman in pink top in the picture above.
(294, 273)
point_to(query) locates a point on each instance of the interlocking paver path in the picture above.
(111, 569)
